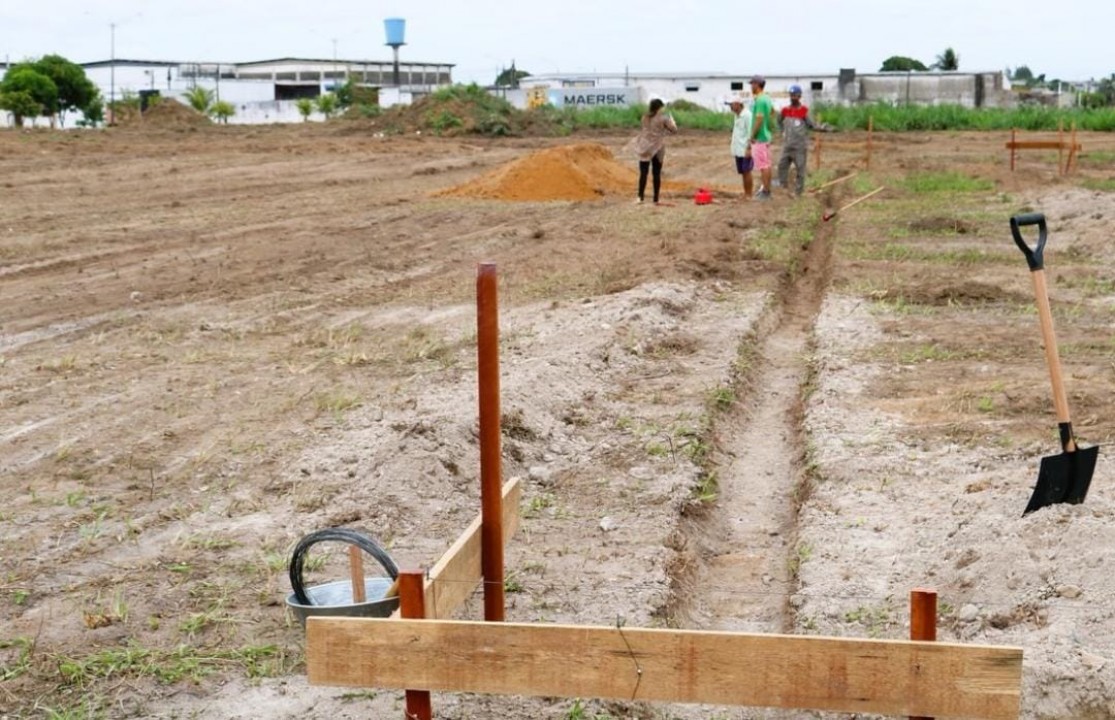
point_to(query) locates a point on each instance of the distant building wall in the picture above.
(966, 89)
(844, 88)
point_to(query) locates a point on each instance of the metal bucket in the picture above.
(335, 600)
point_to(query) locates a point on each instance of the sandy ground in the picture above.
(216, 340)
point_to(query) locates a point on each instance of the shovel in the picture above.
(1065, 477)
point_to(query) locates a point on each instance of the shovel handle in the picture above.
(1033, 255)
(1036, 261)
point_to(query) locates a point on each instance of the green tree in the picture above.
(326, 104)
(94, 111)
(223, 110)
(510, 77)
(20, 104)
(345, 93)
(900, 63)
(1022, 74)
(75, 90)
(948, 60)
(305, 108)
(24, 78)
(199, 98)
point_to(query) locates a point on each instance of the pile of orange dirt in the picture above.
(166, 113)
(585, 171)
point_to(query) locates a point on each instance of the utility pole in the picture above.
(112, 73)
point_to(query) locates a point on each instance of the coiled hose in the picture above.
(346, 535)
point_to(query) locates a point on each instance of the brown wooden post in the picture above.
(923, 621)
(491, 498)
(1072, 149)
(1060, 147)
(412, 606)
(870, 131)
(356, 572)
(1013, 134)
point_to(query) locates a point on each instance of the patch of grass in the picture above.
(720, 399)
(22, 662)
(802, 553)
(875, 619)
(707, 488)
(1102, 158)
(336, 402)
(928, 253)
(167, 666)
(1089, 284)
(925, 352)
(945, 182)
(538, 503)
(1103, 185)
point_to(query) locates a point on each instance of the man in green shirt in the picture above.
(762, 131)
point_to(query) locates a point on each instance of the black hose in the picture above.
(347, 535)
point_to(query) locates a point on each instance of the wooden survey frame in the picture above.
(890, 677)
(1064, 167)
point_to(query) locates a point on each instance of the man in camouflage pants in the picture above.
(796, 124)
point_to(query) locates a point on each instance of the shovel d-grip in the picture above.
(1065, 477)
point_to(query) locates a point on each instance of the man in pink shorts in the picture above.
(762, 132)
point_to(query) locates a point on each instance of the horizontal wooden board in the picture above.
(453, 579)
(677, 666)
(1042, 145)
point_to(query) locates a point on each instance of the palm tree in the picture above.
(199, 99)
(223, 110)
(948, 60)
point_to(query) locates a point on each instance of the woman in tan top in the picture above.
(651, 145)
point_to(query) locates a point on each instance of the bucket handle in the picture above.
(347, 535)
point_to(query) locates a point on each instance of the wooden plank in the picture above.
(1041, 145)
(453, 579)
(889, 677)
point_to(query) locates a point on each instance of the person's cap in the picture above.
(734, 100)
(795, 89)
(758, 80)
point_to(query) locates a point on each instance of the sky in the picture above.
(1064, 40)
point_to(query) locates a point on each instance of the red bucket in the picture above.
(702, 197)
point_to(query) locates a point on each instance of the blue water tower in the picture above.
(396, 31)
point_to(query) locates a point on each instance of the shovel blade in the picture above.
(1063, 478)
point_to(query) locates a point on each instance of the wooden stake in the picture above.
(833, 182)
(491, 531)
(412, 606)
(1013, 145)
(923, 621)
(1060, 147)
(870, 131)
(356, 572)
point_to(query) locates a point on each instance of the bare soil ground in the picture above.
(215, 340)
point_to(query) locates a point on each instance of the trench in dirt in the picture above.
(739, 559)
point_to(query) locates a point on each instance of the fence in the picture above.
(1064, 165)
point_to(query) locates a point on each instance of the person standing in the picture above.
(741, 144)
(762, 132)
(650, 146)
(796, 124)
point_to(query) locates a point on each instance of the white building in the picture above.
(709, 89)
(261, 91)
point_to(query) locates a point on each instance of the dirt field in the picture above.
(214, 340)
